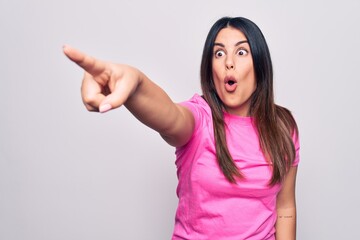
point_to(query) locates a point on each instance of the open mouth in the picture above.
(231, 82)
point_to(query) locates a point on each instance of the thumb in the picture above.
(110, 102)
(104, 107)
(114, 100)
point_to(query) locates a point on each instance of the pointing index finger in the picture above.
(88, 63)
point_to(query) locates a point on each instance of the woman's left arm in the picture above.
(286, 208)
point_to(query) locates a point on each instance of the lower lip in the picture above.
(230, 88)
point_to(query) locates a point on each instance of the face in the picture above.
(233, 71)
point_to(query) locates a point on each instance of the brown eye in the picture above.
(219, 53)
(242, 52)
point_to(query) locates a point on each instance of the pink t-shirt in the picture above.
(209, 206)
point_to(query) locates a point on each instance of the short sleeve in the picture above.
(199, 108)
(201, 112)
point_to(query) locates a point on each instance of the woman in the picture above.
(237, 152)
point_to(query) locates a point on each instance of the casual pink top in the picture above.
(209, 206)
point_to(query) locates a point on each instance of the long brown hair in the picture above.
(275, 125)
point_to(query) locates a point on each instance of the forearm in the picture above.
(153, 107)
(286, 224)
(108, 86)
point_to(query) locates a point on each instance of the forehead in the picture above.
(230, 36)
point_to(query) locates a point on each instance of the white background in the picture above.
(66, 173)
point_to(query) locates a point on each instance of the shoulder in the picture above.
(198, 106)
(201, 112)
(286, 120)
(196, 99)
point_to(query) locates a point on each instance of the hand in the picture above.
(105, 85)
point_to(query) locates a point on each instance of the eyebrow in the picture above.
(237, 44)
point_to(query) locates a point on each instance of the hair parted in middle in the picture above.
(275, 124)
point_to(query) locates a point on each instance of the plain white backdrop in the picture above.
(66, 173)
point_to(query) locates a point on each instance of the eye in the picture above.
(242, 52)
(219, 53)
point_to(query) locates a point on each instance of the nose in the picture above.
(229, 64)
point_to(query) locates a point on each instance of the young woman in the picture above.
(237, 151)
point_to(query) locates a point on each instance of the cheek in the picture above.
(215, 68)
(249, 75)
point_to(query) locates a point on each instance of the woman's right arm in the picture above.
(107, 86)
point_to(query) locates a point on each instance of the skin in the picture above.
(286, 208)
(107, 86)
(232, 60)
